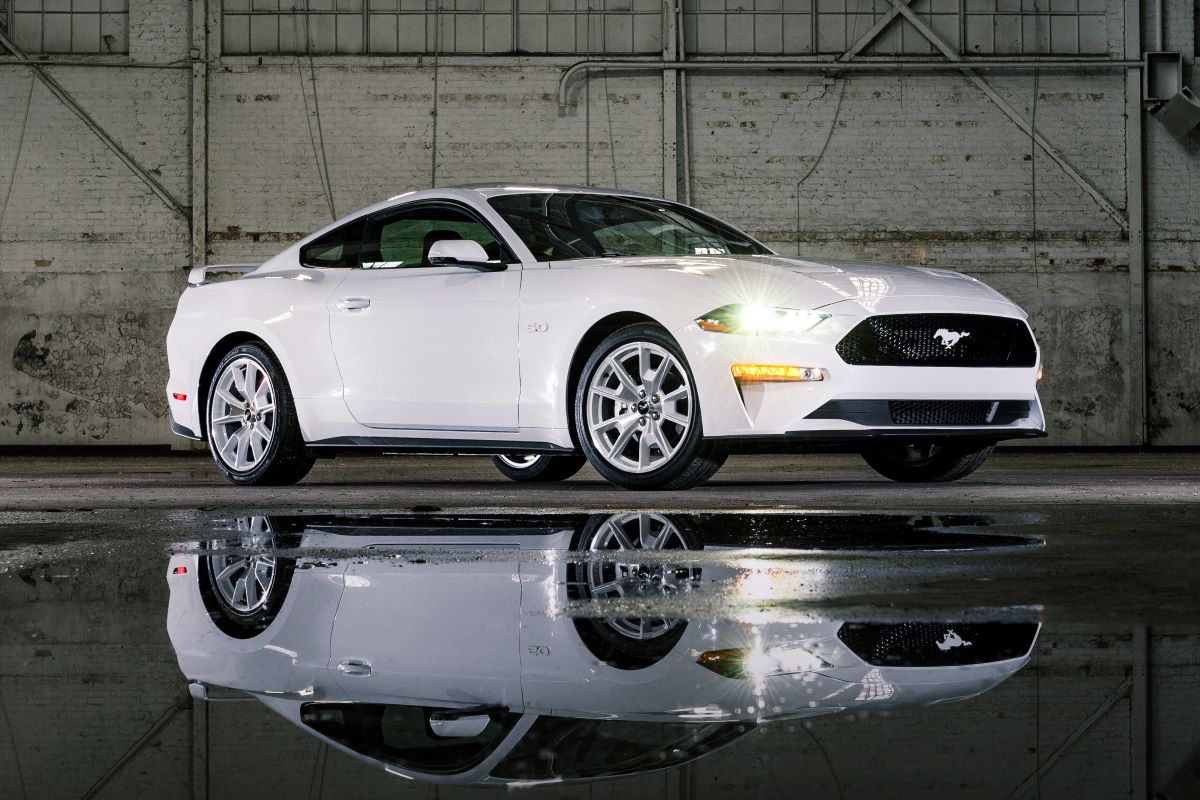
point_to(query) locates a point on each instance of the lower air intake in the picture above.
(942, 412)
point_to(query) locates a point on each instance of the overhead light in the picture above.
(775, 373)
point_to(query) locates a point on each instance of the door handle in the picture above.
(355, 667)
(353, 303)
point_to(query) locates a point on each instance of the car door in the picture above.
(425, 347)
(431, 623)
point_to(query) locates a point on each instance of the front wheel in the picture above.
(537, 468)
(637, 413)
(926, 462)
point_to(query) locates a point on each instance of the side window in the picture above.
(337, 249)
(398, 239)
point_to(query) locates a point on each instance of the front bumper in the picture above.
(796, 414)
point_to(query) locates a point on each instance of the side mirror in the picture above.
(462, 253)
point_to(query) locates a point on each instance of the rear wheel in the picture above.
(637, 413)
(253, 432)
(927, 462)
(243, 581)
(538, 468)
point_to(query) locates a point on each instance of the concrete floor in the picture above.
(1019, 479)
(1119, 528)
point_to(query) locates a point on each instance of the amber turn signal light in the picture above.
(774, 373)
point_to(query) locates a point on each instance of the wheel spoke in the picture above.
(611, 394)
(674, 416)
(663, 445)
(676, 394)
(230, 399)
(618, 445)
(243, 447)
(644, 442)
(228, 418)
(608, 423)
(626, 382)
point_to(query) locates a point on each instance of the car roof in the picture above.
(516, 187)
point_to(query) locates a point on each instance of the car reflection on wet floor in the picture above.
(652, 654)
(454, 650)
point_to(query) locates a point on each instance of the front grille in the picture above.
(936, 644)
(939, 340)
(942, 412)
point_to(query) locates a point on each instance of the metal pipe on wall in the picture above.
(892, 65)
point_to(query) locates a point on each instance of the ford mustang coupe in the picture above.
(549, 326)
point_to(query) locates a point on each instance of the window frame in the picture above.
(507, 256)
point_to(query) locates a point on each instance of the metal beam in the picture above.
(1056, 755)
(1139, 380)
(181, 704)
(1139, 715)
(954, 56)
(879, 27)
(199, 217)
(120, 152)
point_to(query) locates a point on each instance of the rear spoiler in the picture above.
(198, 275)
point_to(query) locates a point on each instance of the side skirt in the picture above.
(460, 447)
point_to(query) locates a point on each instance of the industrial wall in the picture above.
(905, 166)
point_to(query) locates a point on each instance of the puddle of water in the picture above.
(715, 655)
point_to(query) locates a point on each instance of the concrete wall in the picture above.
(918, 170)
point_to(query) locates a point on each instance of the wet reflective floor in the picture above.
(263, 653)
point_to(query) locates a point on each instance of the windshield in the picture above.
(559, 747)
(557, 226)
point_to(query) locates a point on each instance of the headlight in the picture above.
(741, 318)
(759, 662)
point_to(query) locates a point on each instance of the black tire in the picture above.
(926, 462)
(258, 544)
(609, 640)
(286, 459)
(694, 460)
(540, 468)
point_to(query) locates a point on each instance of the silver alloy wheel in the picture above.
(520, 462)
(607, 579)
(639, 407)
(241, 414)
(244, 579)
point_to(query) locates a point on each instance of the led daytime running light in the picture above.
(774, 373)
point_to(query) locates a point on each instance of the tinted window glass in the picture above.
(338, 248)
(401, 735)
(403, 238)
(558, 226)
(558, 747)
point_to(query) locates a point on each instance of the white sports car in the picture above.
(546, 326)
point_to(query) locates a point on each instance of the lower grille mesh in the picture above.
(925, 644)
(942, 412)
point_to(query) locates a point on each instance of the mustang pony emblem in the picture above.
(949, 338)
(951, 640)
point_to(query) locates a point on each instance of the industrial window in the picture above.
(445, 26)
(830, 27)
(1036, 27)
(70, 26)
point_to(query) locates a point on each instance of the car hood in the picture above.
(805, 283)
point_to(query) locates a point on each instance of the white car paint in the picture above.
(445, 355)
